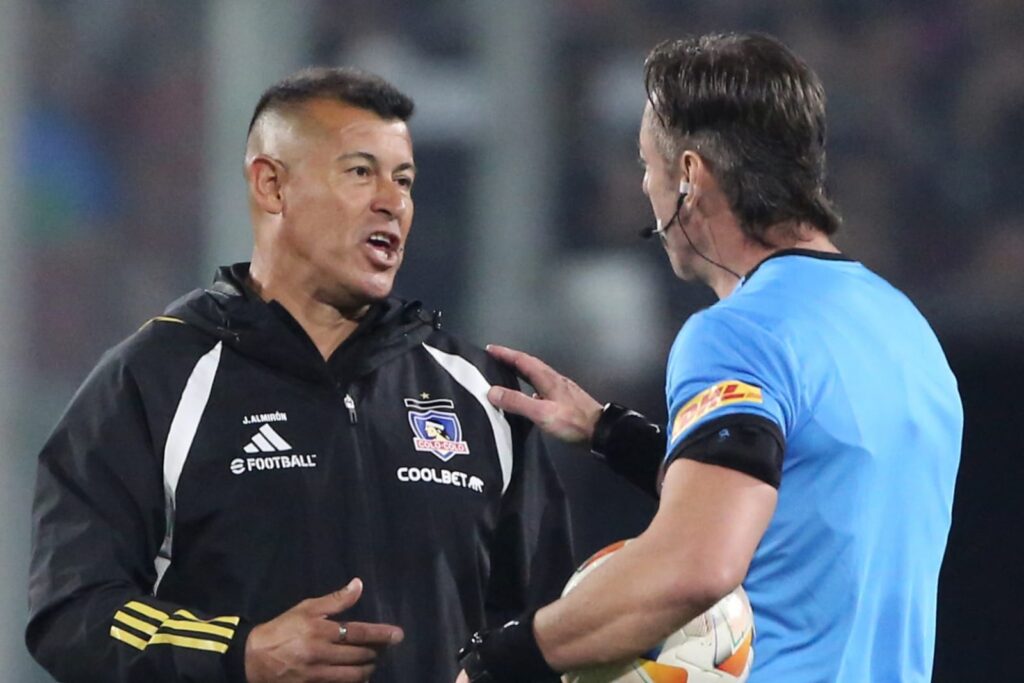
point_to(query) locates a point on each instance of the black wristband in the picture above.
(611, 415)
(632, 445)
(509, 654)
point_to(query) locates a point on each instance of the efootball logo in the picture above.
(267, 441)
(436, 428)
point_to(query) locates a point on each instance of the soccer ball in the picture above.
(716, 647)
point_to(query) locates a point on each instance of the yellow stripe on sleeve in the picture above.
(183, 620)
(143, 608)
(215, 620)
(199, 627)
(137, 624)
(125, 637)
(184, 641)
(163, 319)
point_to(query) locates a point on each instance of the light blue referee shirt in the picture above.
(844, 582)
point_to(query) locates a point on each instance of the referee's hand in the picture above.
(303, 644)
(559, 407)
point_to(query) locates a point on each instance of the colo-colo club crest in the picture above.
(436, 428)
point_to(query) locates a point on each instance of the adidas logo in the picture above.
(267, 440)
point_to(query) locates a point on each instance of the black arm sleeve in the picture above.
(98, 522)
(747, 443)
(632, 445)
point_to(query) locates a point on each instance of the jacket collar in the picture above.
(231, 311)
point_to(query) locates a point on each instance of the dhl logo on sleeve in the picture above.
(722, 394)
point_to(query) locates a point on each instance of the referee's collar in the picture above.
(810, 253)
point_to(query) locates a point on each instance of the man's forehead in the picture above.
(329, 124)
(390, 131)
(646, 126)
(649, 118)
(335, 117)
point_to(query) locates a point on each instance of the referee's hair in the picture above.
(346, 84)
(755, 112)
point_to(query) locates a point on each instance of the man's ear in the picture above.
(694, 170)
(266, 176)
(690, 166)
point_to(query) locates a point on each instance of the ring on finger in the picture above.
(342, 632)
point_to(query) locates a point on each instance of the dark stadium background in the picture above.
(121, 130)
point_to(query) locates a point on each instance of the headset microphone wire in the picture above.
(651, 230)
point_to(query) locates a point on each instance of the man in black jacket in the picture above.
(288, 431)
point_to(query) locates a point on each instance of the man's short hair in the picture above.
(345, 84)
(756, 114)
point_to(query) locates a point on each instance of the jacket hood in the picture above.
(232, 312)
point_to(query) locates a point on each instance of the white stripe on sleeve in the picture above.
(467, 374)
(179, 441)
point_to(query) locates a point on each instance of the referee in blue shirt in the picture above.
(814, 424)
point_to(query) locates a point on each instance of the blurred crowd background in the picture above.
(122, 125)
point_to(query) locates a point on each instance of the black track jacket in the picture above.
(214, 470)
